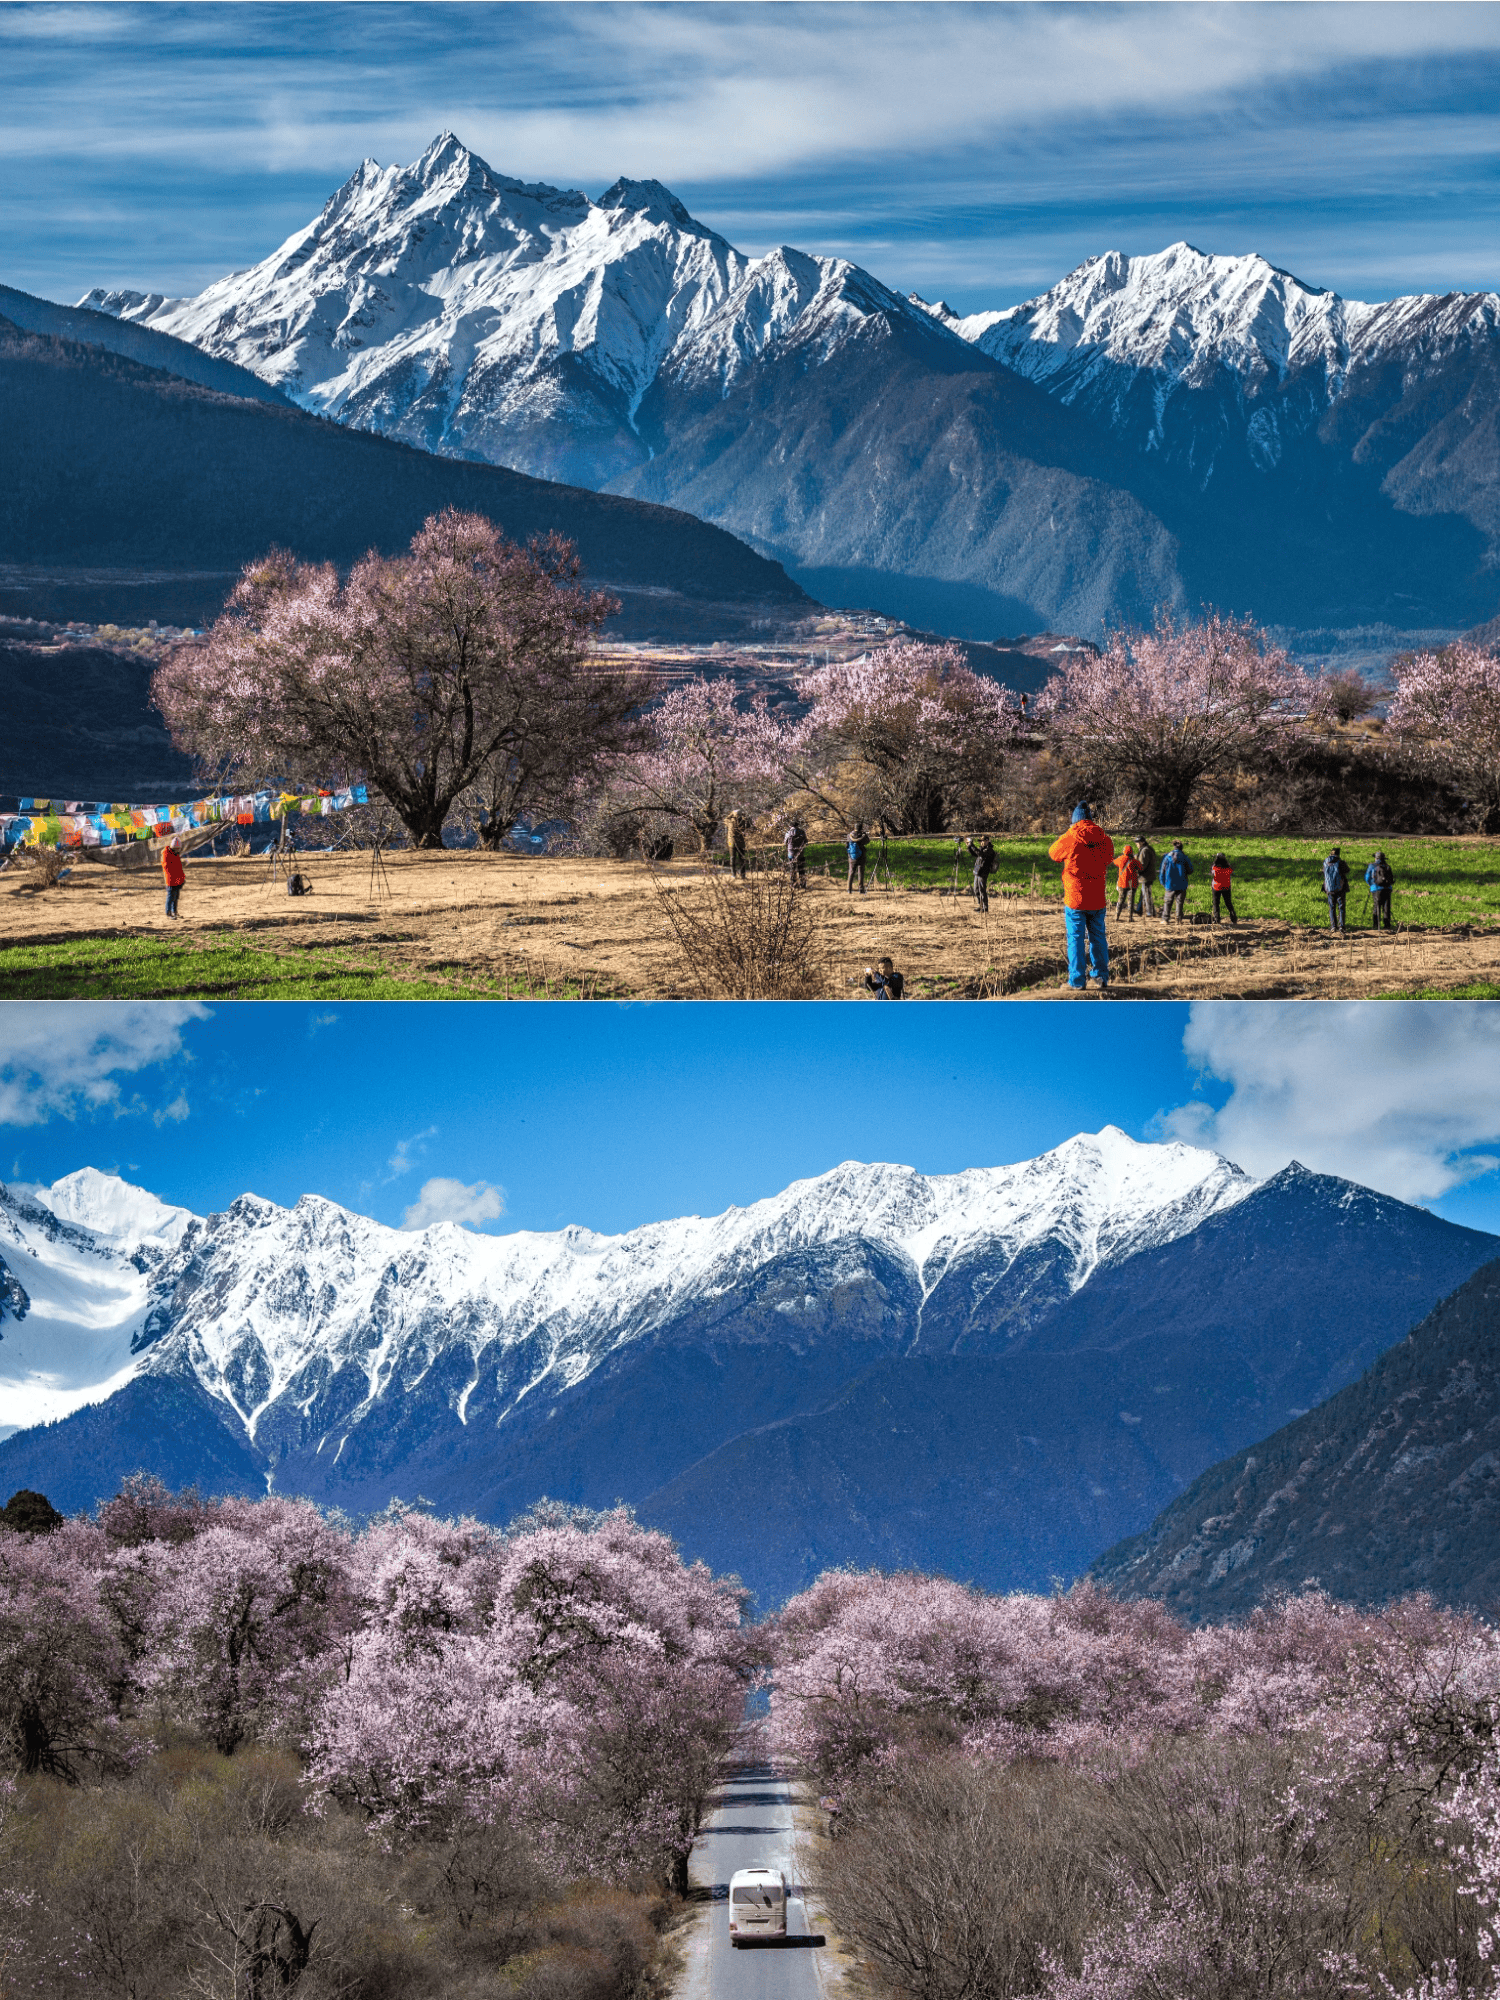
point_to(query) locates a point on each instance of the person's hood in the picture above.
(1080, 812)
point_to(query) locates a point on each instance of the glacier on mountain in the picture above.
(312, 1315)
(81, 1257)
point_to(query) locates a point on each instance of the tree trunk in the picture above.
(1166, 797)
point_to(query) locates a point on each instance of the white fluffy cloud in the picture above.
(56, 1059)
(450, 1201)
(1401, 1096)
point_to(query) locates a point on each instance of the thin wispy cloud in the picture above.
(404, 1158)
(973, 149)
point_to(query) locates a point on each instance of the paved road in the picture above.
(751, 1826)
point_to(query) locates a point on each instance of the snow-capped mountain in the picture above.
(76, 1263)
(481, 316)
(996, 1373)
(1183, 320)
(304, 1320)
(1176, 428)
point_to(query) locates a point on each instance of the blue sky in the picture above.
(976, 152)
(610, 1116)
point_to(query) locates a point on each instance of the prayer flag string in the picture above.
(74, 823)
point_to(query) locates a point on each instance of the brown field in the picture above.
(599, 927)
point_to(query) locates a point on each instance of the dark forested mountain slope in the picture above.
(110, 462)
(1390, 1486)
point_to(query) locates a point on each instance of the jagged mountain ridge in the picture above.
(1016, 1465)
(474, 314)
(1190, 321)
(1198, 428)
(994, 1374)
(303, 1320)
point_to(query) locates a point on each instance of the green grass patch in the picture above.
(1476, 989)
(1438, 883)
(146, 968)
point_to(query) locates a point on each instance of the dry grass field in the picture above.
(467, 924)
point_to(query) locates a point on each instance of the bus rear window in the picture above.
(765, 1895)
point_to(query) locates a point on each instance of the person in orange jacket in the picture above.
(1085, 852)
(1128, 875)
(176, 875)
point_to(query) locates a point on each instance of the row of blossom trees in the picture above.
(1069, 1797)
(467, 674)
(1306, 1803)
(571, 1678)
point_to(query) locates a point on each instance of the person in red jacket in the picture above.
(1220, 881)
(172, 869)
(1127, 876)
(1085, 852)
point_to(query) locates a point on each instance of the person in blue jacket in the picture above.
(856, 843)
(1172, 873)
(1335, 888)
(1380, 879)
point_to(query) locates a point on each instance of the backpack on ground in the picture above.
(298, 885)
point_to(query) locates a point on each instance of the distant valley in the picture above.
(995, 1374)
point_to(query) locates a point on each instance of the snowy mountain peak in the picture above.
(113, 1208)
(274, 1309)
(142, 306)
(1180, 311)
(444, 303)
(655, 202)
(1120, 336)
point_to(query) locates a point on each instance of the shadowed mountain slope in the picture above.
(1392, 1485)
(145, 344)
(112, 462)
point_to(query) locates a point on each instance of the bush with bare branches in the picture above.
(748, 940)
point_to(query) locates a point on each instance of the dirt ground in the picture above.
(599, 926)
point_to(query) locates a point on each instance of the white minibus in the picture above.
(757, 1905)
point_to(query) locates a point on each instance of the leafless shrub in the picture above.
(753, 939)
(612, 828)
(42, 865)
(963, 1881)
(200, 1875)
(482, 1879)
